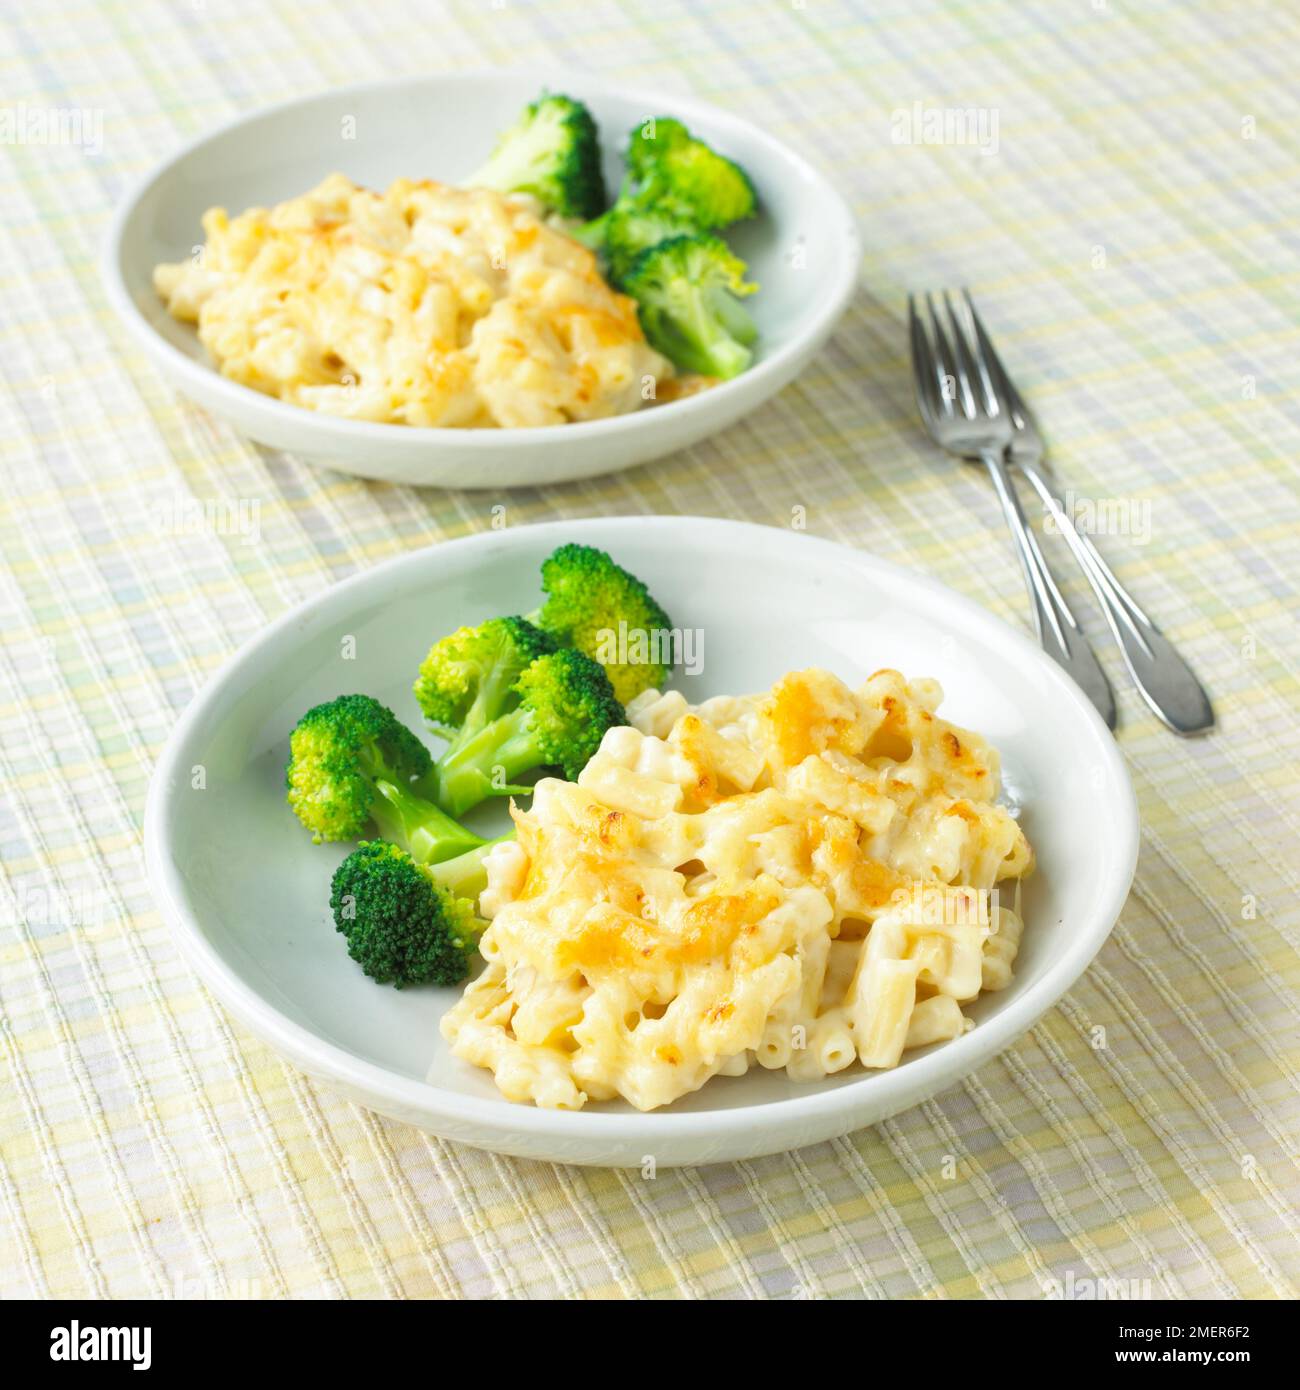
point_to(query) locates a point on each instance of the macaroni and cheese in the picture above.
(802, 880)
(423, 305)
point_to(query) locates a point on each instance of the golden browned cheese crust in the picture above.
(422, 305)
(802, 879)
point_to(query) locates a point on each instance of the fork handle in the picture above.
(1058, 632)
(1165, 680)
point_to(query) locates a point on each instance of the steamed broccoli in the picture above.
(565, 705)
(553, 152)
(631, 229)
(686, 291)
(675, 186)
(467, 680)
(407, 923)
(672, 171)
(589, 601)
(351, 765)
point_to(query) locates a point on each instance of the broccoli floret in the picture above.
(674, 173)
(565, 705)
(467, 680)
(589, 601)
(675, 186)
(630, 229)
(553, 152)
(407, 923)
(686, 292)
(352, 764)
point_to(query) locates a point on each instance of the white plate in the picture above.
(803, 250)
(246, 890)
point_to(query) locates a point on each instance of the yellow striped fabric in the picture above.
(1120, 184)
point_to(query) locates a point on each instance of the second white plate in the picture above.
(803, 251)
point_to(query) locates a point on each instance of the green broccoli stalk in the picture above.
(467, 680)
(407, 923)
(565, 705)
(553, 152)
(686, 292)
(589, 600)
(352, 765)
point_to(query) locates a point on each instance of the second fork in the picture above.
(963, 414)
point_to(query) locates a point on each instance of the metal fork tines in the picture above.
(964, 415)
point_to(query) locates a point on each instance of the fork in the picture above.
(1162, 677)
(964, 416)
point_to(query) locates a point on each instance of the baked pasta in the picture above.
(804, 879)
(422, 305)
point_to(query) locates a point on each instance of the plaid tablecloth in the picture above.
(1120, 182)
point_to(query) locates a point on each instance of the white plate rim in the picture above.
(819, 1114)
(269, 409)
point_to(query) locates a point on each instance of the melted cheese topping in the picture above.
(424, 305)
(801, 879)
